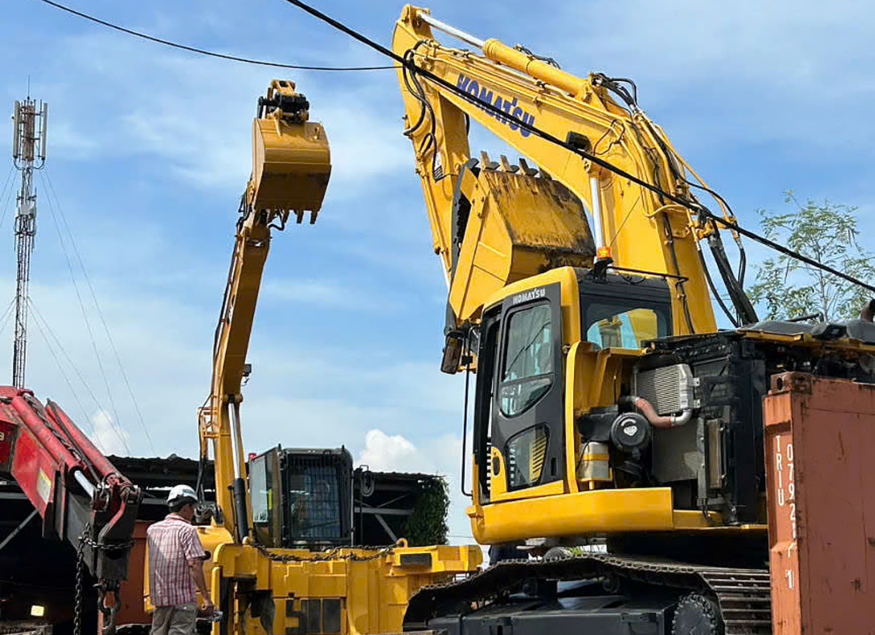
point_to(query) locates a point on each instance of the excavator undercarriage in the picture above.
(599, 593)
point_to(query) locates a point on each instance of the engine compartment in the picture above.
(692, 417)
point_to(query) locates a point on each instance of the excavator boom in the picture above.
(282, 555)
(631, 226)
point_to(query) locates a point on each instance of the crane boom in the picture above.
(81, 497)
(290, 172)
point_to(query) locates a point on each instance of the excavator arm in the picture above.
(290, 171)
(631, 226)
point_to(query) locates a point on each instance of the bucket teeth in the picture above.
(526, 169)
(486, 163)
(507, 167)
(545, 174)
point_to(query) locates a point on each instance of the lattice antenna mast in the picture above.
(30, 120)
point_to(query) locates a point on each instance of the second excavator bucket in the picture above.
(291, 159)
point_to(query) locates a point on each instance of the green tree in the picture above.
(427, 524)
(827, 233)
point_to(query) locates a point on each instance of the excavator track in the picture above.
(743, 595)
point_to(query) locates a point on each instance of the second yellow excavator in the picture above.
(281, 552)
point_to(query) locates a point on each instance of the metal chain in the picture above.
(80, 569)
(104, 547)
(331, 554)
(109, 612)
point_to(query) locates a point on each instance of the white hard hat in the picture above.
(181, 492)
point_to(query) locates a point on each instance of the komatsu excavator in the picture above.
(607, 404)
(281, 558)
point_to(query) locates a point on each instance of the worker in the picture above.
(176, 559)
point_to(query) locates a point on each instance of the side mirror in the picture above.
(453, 347)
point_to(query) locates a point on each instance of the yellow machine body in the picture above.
(574, 506)
(346, 591)
(530, 229)
(577, 505)
(508, 233)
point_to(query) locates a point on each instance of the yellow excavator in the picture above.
(281, 554)
(608, 407)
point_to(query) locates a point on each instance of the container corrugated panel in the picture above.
(820, 471)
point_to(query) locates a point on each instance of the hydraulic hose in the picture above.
(657, 420)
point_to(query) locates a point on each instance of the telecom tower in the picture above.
(29, 154)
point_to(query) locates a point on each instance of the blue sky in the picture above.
(149, 152)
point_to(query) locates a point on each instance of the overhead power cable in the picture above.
(199, 51)
(483, 105)
(106, 330)
(6, 201)
(46, 328)
(66, 378)
(113, 415)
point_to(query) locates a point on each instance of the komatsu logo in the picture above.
(528, 296)
(509, 106)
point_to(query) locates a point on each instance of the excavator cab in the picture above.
(302, 497)
(542, 341)
(291, 160)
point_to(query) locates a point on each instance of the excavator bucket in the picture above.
(291, 160)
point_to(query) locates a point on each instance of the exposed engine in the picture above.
(692, 417)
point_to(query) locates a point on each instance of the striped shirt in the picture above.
(171, 543)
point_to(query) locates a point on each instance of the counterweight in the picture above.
(28, 153)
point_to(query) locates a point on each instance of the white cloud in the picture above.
(392, 453)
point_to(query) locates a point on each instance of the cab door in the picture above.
(527, 408)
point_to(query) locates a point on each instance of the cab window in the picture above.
(526, 452)
(611, 325)
(264, 491)
(314, 502)
(528, 359)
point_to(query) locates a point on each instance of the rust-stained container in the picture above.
(820, 473)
